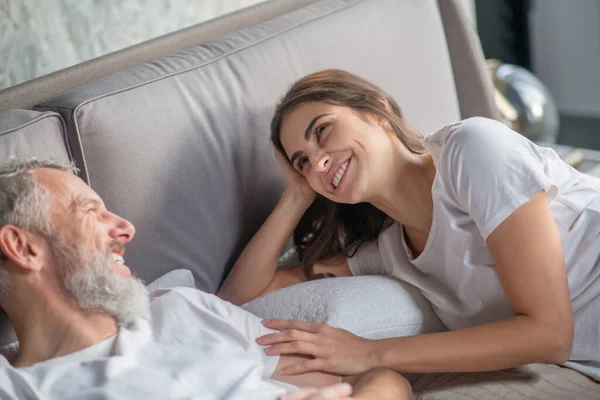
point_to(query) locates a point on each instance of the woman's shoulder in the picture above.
(475, 139)
(467, 130)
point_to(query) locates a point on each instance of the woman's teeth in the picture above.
(340, 174)
(117, 258)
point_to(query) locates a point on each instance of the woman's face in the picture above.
(341, 152)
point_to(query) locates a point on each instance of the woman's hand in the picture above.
(298, 186)
(335, 351)
(339, 391)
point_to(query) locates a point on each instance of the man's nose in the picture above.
(122, 230)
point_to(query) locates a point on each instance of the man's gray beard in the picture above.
(94, 286)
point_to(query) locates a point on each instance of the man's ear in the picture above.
(22, 248)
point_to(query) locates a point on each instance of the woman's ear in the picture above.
(385, 105)
(21, 248)
(383, 121)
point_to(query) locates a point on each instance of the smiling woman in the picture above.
(347, 122)
(497, 233)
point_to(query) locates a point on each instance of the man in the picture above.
(87, 328)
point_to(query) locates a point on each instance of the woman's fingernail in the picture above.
(265, 321)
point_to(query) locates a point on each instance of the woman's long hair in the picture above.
(327, 228)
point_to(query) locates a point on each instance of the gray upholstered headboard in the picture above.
(473, 87)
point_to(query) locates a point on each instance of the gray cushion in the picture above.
(25, 134)
(180, 145)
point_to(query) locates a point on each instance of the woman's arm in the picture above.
(529, 261)
(254, 271)
(527, 250)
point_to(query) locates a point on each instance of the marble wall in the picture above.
(41, 36)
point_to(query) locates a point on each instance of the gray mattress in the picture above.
(533, 381)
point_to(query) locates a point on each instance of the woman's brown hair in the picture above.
(327, 228)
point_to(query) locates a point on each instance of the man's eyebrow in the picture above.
(82, 202)
(307, 133)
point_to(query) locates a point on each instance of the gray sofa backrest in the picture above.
(27, 133)
(180, 145)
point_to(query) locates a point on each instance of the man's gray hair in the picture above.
(23, 202)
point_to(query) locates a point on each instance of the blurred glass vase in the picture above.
(524, 103)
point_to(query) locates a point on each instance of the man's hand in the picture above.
(377, 384)
(339, 391)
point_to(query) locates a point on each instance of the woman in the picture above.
(500, 235)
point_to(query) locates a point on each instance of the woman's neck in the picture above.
(408, 200)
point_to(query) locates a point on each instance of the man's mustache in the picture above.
(116, 245)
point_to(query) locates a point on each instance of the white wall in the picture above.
(565, 46)
(41, 36)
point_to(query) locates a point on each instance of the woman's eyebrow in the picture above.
(311, 124)
(307, 133)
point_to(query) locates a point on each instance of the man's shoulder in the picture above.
(188, 300)
(4, 362)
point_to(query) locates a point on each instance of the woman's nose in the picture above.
(323, 161)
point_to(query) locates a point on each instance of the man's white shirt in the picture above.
(195, 346)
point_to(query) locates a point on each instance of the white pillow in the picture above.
(374, 307)
(175, 278)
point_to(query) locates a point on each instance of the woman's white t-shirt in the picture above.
(485, 171)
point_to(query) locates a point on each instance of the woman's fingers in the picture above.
(296, 347)
(303, 367)
(287, 324)
(286, 336)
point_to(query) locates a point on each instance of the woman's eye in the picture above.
(300, 163)
(321, 129)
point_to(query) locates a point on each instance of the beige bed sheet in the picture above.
(533, 381)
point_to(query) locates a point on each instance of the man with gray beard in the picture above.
(88, 328)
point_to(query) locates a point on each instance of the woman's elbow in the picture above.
(562, 351)
(560, 344)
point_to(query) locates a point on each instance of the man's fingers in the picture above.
(300, 394)
(340, 391)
